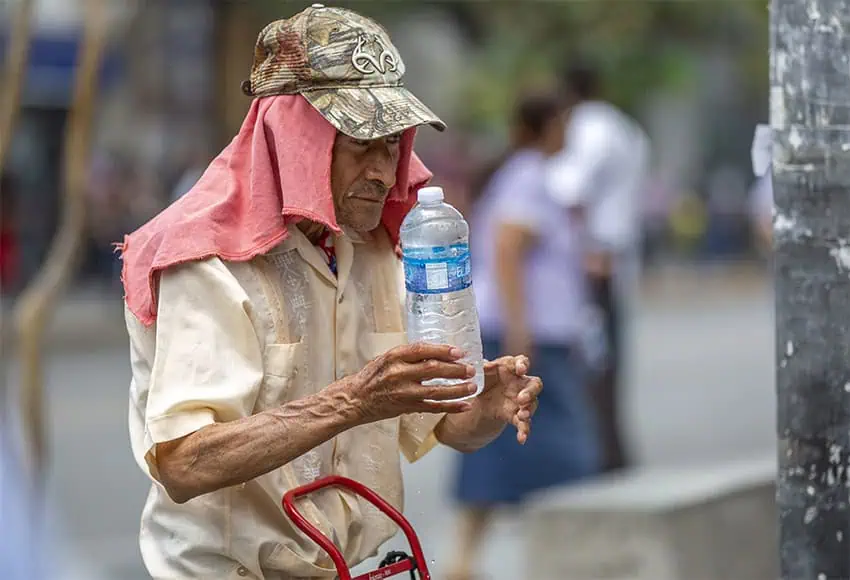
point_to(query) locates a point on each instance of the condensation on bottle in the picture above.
(440, 300)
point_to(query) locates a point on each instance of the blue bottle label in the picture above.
(437, 269)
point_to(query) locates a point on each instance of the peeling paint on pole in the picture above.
(810, 119)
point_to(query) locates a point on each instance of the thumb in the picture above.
(491, 367)
(517, 365)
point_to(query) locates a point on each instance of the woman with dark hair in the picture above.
(529, 284)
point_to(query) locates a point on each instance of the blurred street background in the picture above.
(694, 75)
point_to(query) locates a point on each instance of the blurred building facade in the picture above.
(170, 97)
(156, 110)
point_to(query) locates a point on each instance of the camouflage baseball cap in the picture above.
(343, 64)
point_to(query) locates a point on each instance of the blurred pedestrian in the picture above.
(600, 174)
(276, 263)
(530, 288)
(761, 192)
(761, 208)
(728, 234)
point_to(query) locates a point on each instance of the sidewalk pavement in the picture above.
(88, 319)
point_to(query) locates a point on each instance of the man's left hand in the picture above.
(509, 395)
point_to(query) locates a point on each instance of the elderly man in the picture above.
(266, 325)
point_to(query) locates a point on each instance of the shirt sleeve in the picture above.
(572, 174)
(514, 195)
(207, 361)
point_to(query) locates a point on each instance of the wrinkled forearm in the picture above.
(226, 454)
(468, 432)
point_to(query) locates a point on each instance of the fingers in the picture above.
(528, 403)
(521, 365)
(435, 369)
(447, 392)
(491, 367)
(450, 407)
(517, 365)
(438, 398)
(529, 393)
(523, 428)
(421, 351)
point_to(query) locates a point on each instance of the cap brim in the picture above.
(372, 112)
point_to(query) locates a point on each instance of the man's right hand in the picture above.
(391, 384)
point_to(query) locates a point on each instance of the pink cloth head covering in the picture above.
(275, 172)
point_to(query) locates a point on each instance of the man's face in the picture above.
(362, 175)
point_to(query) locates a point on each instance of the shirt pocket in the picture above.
(296, 564)
(283, 369)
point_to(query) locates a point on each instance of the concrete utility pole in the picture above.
(810, 118)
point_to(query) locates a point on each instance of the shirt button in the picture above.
(242, 571)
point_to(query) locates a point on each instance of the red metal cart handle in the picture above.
(328, 546)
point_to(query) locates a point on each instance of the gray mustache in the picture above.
(372, 191)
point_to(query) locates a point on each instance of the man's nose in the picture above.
(382, 167)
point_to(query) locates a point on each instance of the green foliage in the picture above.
(640, 45)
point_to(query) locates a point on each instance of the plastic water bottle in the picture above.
(437, 276)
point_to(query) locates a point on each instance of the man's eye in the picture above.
(361, 142)
(394, 139)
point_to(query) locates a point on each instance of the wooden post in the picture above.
(38, 301)
(15, 74)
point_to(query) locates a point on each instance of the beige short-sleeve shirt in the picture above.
(234, 339)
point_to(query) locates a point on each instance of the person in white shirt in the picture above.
(599, 176)
(761, 207)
